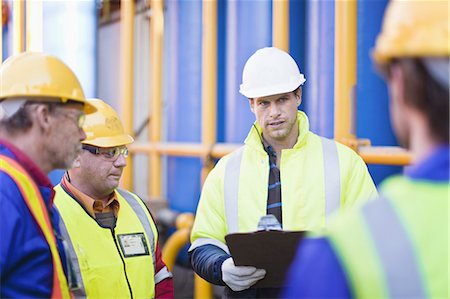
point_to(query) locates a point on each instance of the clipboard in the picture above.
(272, 250)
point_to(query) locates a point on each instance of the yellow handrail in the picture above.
(178, 239)
(370, 154)
(344, 69)
(209, 80)
(156, 50)
(1, 31)
(18, 26)
(280, 24)
(127, 11)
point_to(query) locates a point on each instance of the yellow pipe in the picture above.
(390, 155)
(156, 48)
(344, 68)
(178, 239)
(1, 31)
(18, 26)
(34, 25)
(280, 24)
(209, 80)
(127, 11)
(202, 289)
(370, 154)
(173, 246)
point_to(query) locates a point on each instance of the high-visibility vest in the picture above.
(397, 247)
(318, 176)
(101, 264)
(36, 205)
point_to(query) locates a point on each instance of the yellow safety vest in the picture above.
(399, 244)
(318, 177)
(36, 205)
(105, 264)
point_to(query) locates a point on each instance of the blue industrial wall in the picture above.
(183, 97)
(372, 117)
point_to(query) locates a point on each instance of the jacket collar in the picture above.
(435, 167)
(254, 136)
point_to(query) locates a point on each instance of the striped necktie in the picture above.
(274, 192)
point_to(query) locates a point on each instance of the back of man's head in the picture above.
(415, 38)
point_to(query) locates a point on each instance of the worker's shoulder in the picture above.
(314, 139)
(234, 154)
(8, 187)
(127, 194)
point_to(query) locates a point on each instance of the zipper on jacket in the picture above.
(123, 261)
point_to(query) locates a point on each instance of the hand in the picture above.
(239, 278)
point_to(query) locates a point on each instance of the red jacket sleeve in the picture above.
(163, 288)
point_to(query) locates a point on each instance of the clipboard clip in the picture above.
(269, 222)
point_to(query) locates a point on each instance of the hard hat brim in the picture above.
(272, 90)
(110, 141)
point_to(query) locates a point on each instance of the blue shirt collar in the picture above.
(435, 167)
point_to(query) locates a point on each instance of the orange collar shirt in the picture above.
(94, 207)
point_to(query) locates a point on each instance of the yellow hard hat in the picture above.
(414, 29)
(34, 75)
(103, 128)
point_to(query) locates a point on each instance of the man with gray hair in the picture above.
(42, 112)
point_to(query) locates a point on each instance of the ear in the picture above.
(252, 105)
(42, 118)
(298, 96)
(396, 82)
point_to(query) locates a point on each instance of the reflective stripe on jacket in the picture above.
(98, 256)
(399, 244)
(36, 205)
(318, 176)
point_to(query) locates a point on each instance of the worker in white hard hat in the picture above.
(113, 239)
(397, 246)
(42, 108)
(283, 169)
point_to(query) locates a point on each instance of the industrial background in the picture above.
(172, 70)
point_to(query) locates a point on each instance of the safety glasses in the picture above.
(109, 154)
(78, 118)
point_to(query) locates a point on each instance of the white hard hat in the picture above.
(270, 71)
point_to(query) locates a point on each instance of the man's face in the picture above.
(277, 115)
(65, 135)
(101, 168)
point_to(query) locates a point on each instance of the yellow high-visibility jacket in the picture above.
(106, 263)
(318, 177)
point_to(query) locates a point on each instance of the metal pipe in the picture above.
(344, 69)
(370, 154)
(181, 149)
(203, 289)
(209, 80)
(127, 11)
(156, 49)
(390, 155)
(18, 26)
(34, 25)
(1, 31)
(280, 24)
(178, 239)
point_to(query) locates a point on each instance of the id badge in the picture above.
(133, 244)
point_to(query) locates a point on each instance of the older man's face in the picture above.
(66, 134)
